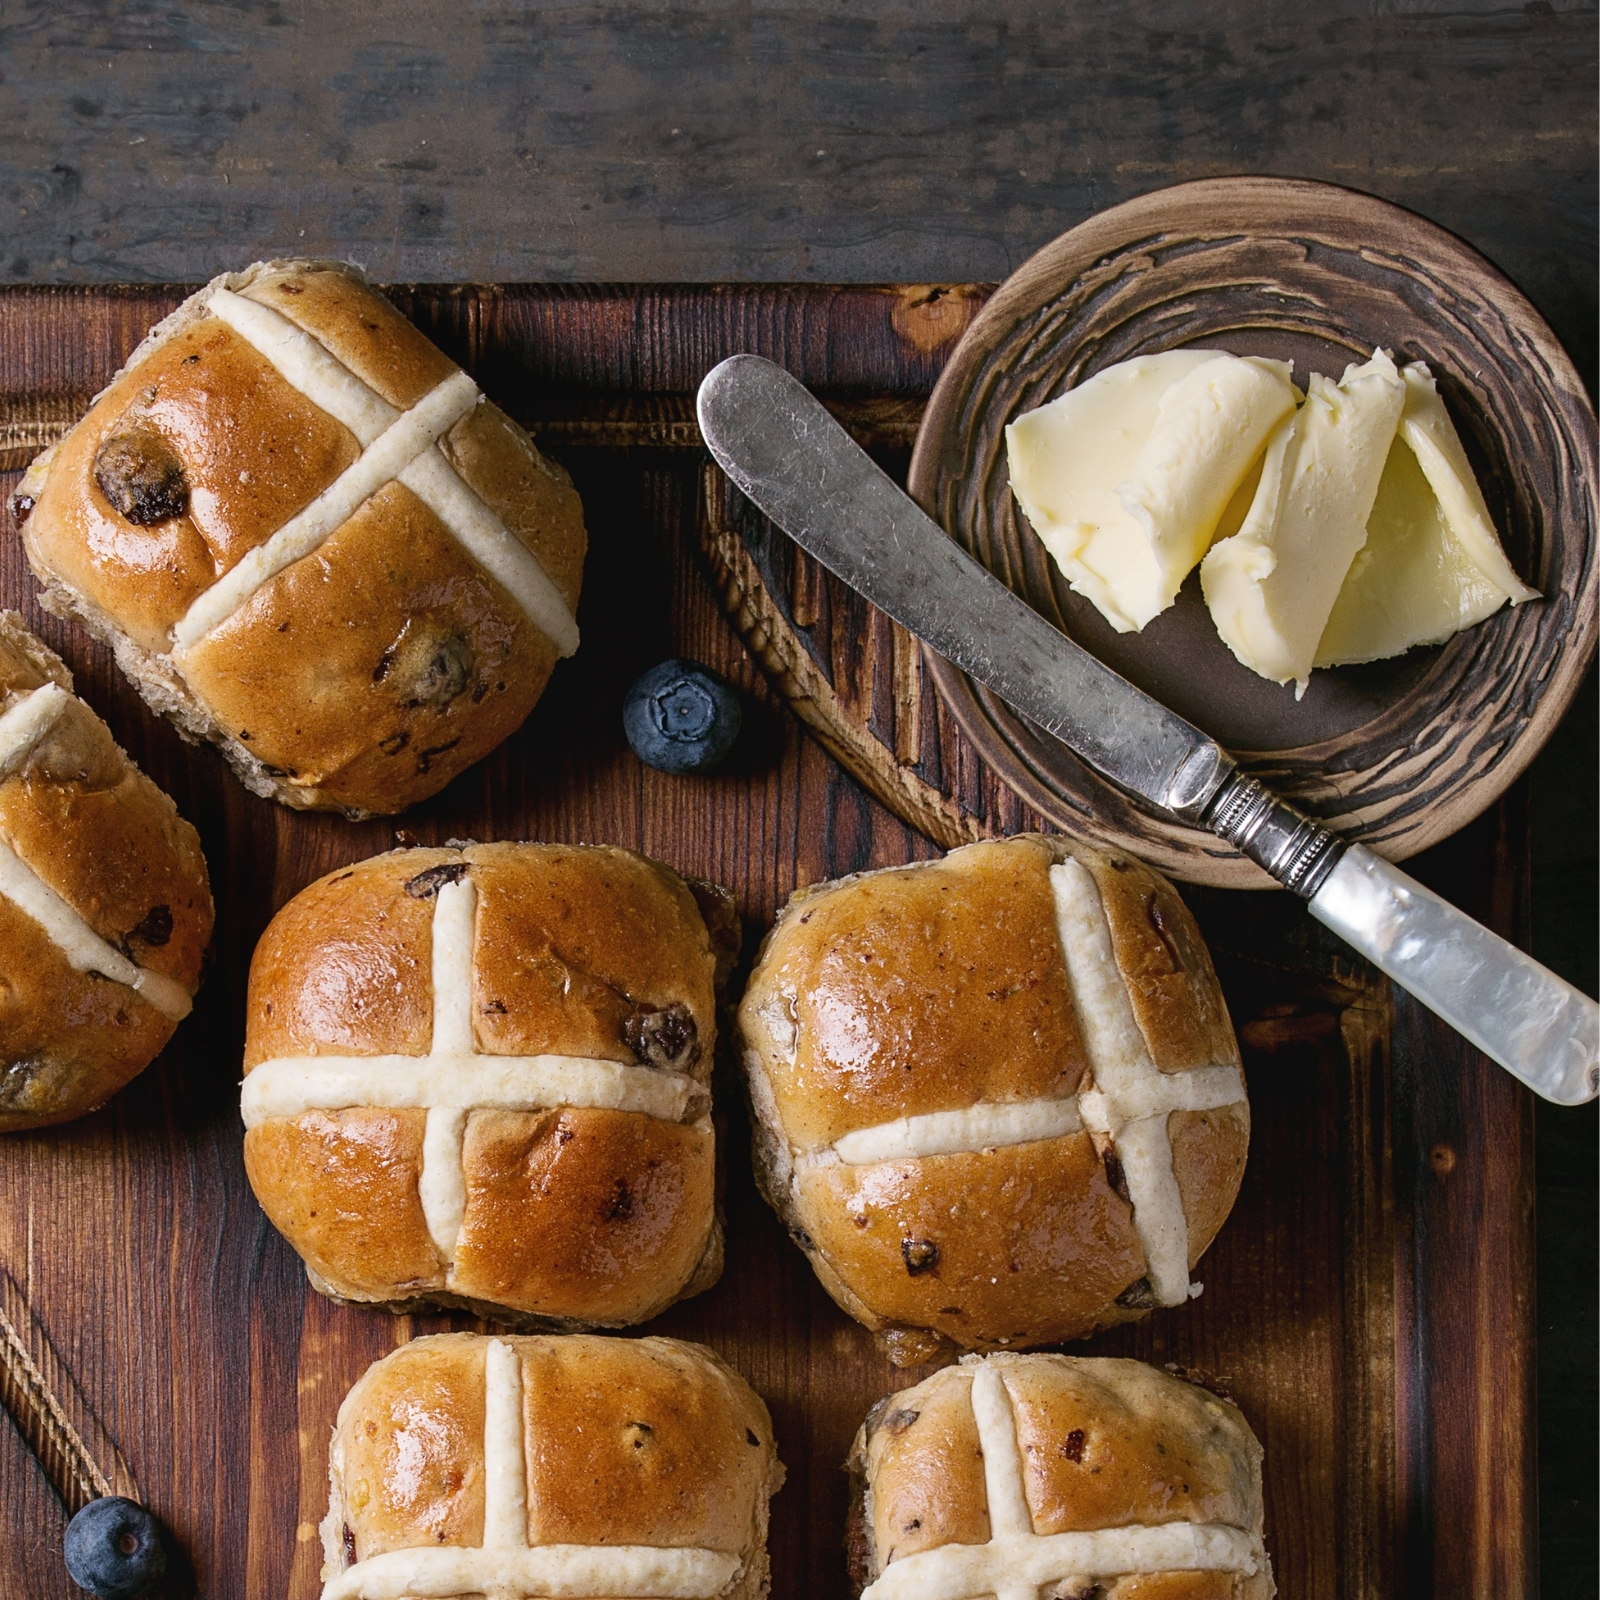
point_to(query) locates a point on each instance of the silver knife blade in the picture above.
(778, 443)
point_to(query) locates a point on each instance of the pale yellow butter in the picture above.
(1432, 564)
(1125, 478)
(1210, 430)
(1272, 586)
(1067, 460)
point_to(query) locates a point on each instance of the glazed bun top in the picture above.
(1047, 1468)
(584, 951)
(105, 905)
(537, 1465)
(311, 540)
(479, 1076)
(929, 988)
(998, 1099)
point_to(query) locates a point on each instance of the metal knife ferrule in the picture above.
(1298, 852)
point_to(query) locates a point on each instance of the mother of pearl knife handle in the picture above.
(1536, 1025)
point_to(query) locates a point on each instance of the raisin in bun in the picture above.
(1052, 1475)
(480, 1077)
(105, 907)
(464, 1465)
(997, 1097)
(311, 541)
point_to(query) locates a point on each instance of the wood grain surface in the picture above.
(766, 139)
(1396, 754)
(1367, 1303)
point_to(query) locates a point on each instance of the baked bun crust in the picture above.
(105, 906)
(997, 1097)
(470, 1454)
(1149, 1486)
(412, 625)
(480, 1077)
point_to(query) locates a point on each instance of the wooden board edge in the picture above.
(77, 1454)
(806, 691)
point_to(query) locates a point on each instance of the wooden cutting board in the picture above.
(1369, 1304)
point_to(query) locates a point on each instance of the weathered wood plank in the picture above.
(802, 139)
(1464, 1189)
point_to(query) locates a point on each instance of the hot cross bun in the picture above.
(105, 907)
(480, 1077)
(310, 540)
(1057, 1478)
(997, 1098)
(579, 1466)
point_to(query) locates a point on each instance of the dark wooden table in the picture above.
(831, 142)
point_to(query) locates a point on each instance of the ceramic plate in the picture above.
(1398, 753)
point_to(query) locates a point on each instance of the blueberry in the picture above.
(681, 717)
(114, 1549)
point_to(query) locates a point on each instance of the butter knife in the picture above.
(776, 441)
